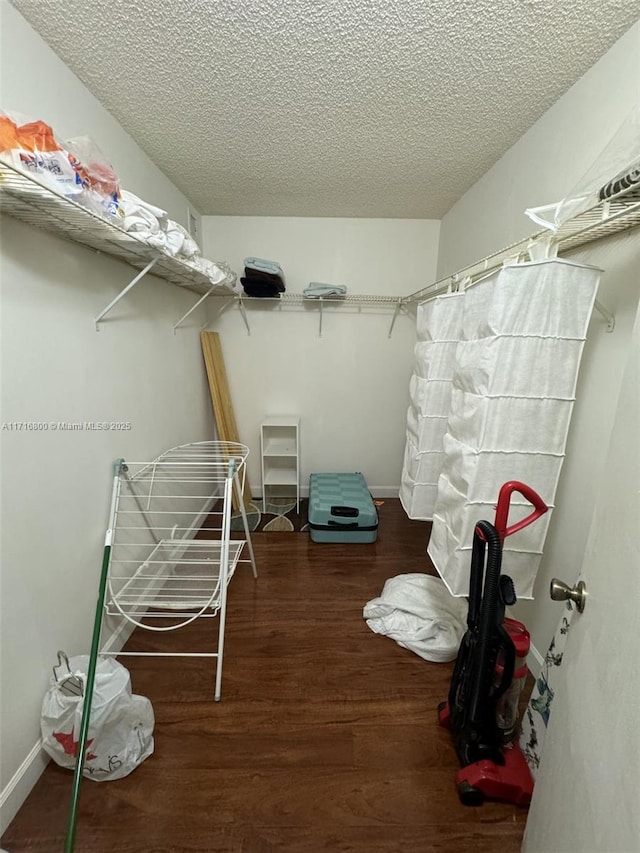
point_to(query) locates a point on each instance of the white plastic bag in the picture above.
(32, 147)
(101, 188)
(120, 733)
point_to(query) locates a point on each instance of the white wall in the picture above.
(546, 163)
(540, 168)
(350, 387)
(56, 367)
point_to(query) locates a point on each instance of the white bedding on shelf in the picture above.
(152, 224)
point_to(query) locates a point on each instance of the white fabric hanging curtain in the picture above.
(513, 388)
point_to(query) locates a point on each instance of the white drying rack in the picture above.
(168, 555)
(171, 552)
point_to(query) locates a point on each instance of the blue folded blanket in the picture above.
(319, 290)
(263, 265)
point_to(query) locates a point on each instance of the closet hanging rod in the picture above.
(606, 218)
(607, 315)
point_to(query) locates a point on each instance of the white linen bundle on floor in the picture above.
(418, 613)
(513, 388)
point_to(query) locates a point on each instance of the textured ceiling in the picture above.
(365, 108)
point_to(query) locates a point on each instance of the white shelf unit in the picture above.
(280, 447)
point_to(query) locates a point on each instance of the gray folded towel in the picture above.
(320, 290)
(263, 265)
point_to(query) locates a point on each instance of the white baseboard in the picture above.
(384, 491)
(539, 660)
(19, 786)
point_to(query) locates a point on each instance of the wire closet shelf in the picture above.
(25, 198)
(610, 216)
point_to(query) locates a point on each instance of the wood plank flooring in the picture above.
(325, 740)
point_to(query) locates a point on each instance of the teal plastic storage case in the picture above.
(341, 509)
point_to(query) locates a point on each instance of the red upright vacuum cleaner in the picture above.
(482, 707)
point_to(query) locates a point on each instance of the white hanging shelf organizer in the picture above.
(25, 198)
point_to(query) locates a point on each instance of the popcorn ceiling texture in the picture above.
(354, 108)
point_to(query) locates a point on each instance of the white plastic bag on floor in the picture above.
(120, 733)
(419, 613)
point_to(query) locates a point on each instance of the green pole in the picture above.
(70, 837)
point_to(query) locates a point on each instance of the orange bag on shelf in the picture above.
(32, 147)
(8, 134)
(37, 136)
(77, 169)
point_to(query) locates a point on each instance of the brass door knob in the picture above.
(560, 591)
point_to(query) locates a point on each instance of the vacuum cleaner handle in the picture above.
(502, 508)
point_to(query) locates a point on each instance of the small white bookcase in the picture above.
(280, 446)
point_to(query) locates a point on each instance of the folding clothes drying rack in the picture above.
(158, 572)
(168, 555)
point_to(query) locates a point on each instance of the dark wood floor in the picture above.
(325, 739)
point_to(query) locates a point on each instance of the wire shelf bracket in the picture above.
(210, 292)
(124, 291)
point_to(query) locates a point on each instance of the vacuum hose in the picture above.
(488, 618)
